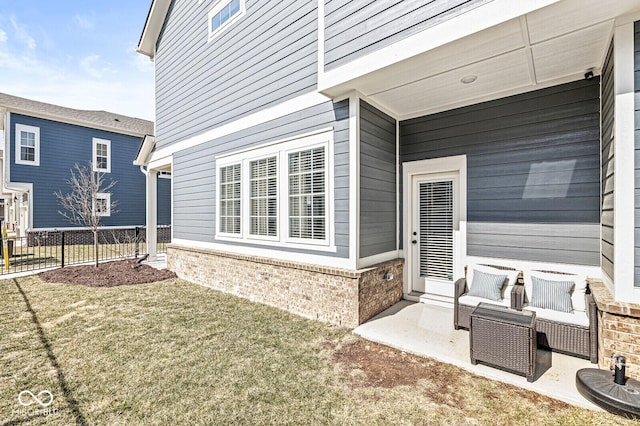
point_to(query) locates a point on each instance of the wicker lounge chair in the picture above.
(579, 340)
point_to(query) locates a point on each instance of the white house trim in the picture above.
(152, 27)
(285, 108)
(107, 197)
(473, 21)
(215, 9)
(274, 253)
(94, 156)
(145, 150)
(354, 179)
(280, 151)
(36, 148)
(377, 258)
(457, 164)
(624, 154)
(528, 266)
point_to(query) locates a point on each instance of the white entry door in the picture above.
(434, 221)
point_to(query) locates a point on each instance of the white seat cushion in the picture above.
(474, 301)
(574, 318)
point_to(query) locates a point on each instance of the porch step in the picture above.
(435, 299)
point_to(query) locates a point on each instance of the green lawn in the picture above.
(176, 353)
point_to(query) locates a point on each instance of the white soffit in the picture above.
(457, 54)
(571, 15)
(576, 51)
(509, 71)
(553, 45)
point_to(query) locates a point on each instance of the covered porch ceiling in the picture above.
(552, 45)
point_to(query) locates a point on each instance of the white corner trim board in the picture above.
(285, 108)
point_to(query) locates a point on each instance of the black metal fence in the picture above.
(46, 249)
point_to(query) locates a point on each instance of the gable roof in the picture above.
(103, 120)
(152, 27)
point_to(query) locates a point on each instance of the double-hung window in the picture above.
(230, 202)
(27, 145)
(307, 194)
(102, 205)
(263, 197)
(278, 194)
(223, 13)
(101, 155)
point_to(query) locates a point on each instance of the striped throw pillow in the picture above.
(487, 286)
(547, 294)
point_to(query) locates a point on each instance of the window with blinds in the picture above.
(436, 230)
(263, 197)
(307, 190)
(229, 208)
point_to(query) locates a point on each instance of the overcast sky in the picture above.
(78, 54)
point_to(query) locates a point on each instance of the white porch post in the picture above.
(152, 215)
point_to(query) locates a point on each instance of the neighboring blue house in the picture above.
(332, 157)
(43, 142)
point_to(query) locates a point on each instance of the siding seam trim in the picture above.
(285, 108)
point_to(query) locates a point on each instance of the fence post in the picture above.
(62, 249)
(137, 240)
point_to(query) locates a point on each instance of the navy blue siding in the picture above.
(266, 57)
(378, 219)
(533, 171)
(356, 28)
(194, 180)
(63, 145)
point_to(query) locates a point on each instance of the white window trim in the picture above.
(217, 7)
(31, 129)
(106, 196)
(281, 150)
(106, 142)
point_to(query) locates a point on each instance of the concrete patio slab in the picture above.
(427, 330)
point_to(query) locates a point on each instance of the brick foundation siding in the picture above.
(618, 330)
(336, 296)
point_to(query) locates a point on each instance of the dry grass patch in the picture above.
(172, 352)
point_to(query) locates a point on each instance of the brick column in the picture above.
(618, 329)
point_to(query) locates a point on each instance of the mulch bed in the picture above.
(108, 274)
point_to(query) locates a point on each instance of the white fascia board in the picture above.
(152, 27)
(476, 20)
(285, 108)
(142, 159)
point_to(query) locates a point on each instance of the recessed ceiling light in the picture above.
(468, 79)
